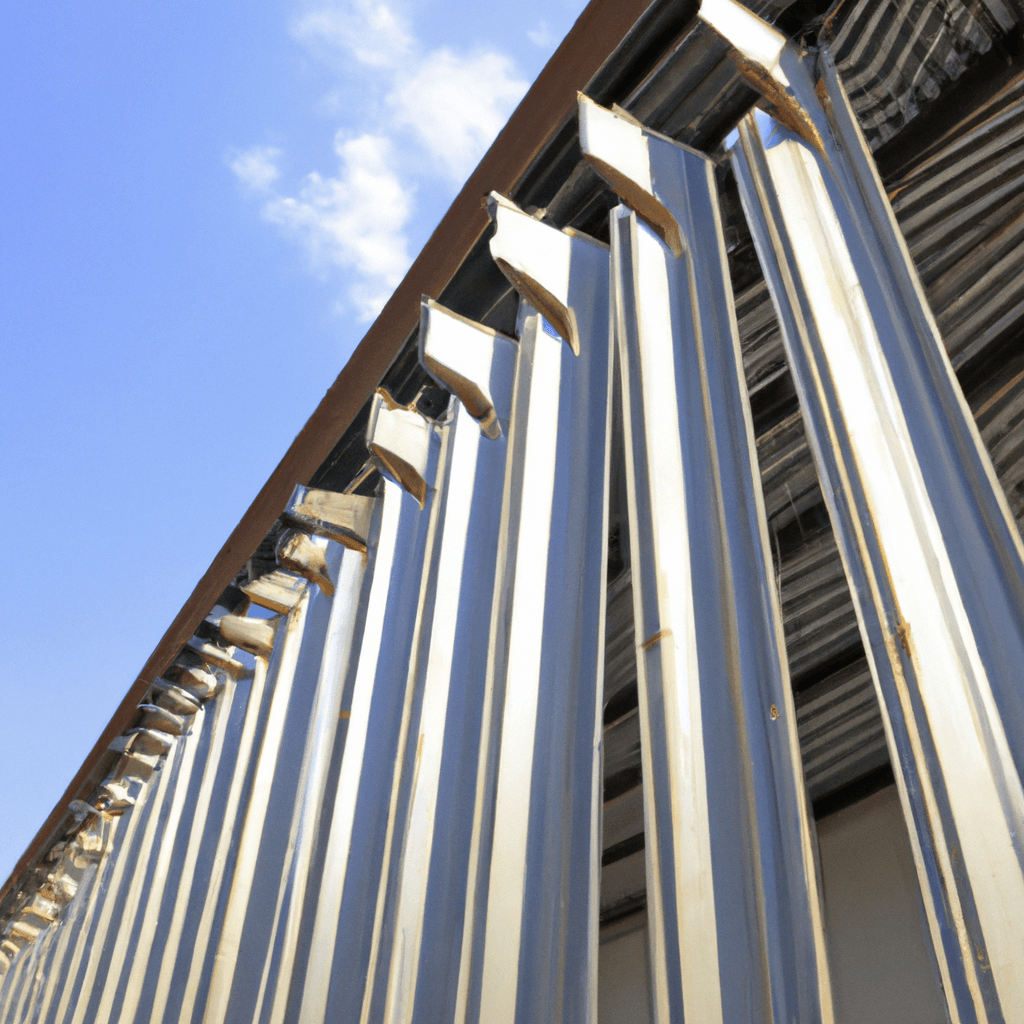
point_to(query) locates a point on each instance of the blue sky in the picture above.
(203, 208)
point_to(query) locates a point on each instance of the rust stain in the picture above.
(655, 639)
(779, 102)
(903, 632)
(775, 712)
(345, 714)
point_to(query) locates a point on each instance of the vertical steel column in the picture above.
(309, 813)
(415, 973)
(332, 983)
(160, 936)
(732, 898)
(152, 868)
(257, 947)
(530, 943)
(121, 897)
(933, 557)
(281, 683)
(195, 888)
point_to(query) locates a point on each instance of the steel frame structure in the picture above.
(381, 796)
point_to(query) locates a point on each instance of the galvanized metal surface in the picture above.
(174, 922)
(933, 557)
(416, 971)
(725, 802)
(538, 928)
(959, 204)
(360, 846)
(895, 55)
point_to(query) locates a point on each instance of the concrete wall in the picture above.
(883, 969)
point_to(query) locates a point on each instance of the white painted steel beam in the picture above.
(529, 948)
(735, 932)
(933, 558)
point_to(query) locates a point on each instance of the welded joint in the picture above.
(398, 438)
(537, 260)
(141, 742)
(462, 356)
(198, 679)
(88, 843)
(253, 635)
(277, 591)
(296, 552)
(617, 146)
(152, 716)
(12, 945)
(59, 884)
(174, 698)
(211, 655)
(773, 65)
(344, 518)
(113, 798)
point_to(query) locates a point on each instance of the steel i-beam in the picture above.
(732, 897)
(414, 966)
(530, 943)
(331, 983)
(933, 558)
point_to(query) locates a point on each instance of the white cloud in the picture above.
(371, 32)
(354, 221)
(419, 114)
(541, 35)
(456, 104)
(256, 168)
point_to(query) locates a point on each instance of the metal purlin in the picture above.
(725, 806)
(933, 558)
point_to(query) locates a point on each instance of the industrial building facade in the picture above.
(635, 632)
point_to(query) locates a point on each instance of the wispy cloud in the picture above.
(370, 32)
(424, 114)
(256, 168)
(353, 221)
(454, 104)
(541, 35)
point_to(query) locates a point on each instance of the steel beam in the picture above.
(257, 942)
(414, 967)
(529, 947)
(330, 981)
(935, 563)
(732, 893)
